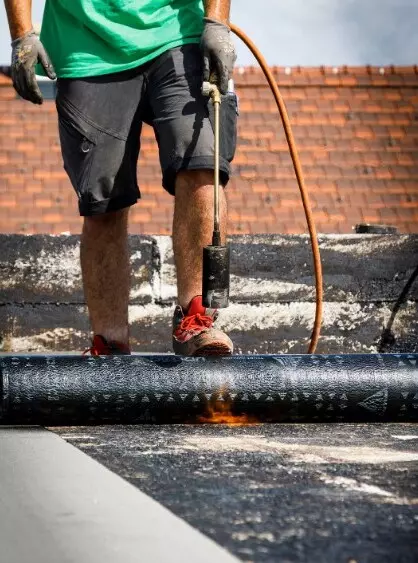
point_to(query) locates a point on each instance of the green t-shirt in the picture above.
(93, 37)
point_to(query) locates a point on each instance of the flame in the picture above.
(219, 411)
(227, 418)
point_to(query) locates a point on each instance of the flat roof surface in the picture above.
(279, 492)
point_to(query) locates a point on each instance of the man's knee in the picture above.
(106, 220)
(194, 179)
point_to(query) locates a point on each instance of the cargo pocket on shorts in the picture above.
(78, 140)
(227, 125)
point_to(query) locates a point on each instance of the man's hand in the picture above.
(218, 53)
(27, 51)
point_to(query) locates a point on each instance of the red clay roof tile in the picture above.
(356, 129)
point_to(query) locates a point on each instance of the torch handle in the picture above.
(209, 89)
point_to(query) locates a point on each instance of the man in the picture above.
(120, 63)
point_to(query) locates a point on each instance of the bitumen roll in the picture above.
(56, 390)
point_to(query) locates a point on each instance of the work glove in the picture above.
(26, 52)
(218, 53)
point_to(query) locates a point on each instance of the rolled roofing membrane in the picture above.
(69, 389)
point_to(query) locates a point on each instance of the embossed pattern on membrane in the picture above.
(67, 390)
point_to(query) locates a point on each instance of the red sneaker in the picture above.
(101, 347)
(193, 332)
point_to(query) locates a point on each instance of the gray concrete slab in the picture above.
(46, 269)
(278, 268)
(370, 294)
(59, 505)
(329, 493)
(264, 268)
(271, 328)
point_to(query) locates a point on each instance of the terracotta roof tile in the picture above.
(356, 129)
(5, 80)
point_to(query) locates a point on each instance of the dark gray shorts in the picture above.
(100, 120)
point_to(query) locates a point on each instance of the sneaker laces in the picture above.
(195, 322)
(101, 347)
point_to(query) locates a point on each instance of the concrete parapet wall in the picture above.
(370, 294)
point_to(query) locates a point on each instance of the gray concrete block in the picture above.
(278, 268)
(43, 268)
(264, 268)
(370, 300)
(262, 329)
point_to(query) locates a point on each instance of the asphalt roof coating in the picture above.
(268, 493)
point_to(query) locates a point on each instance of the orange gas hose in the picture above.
(299, 176)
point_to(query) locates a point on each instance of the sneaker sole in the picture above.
(214, 350)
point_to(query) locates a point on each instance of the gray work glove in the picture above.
(218, 53)
(27, 51)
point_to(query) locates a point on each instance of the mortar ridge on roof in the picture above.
(400, 70)
(309, 71)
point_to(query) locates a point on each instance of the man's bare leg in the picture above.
(192, 229)
(106, 273)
